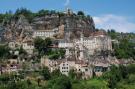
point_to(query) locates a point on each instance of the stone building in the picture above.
(45, 33)
(28, 45)
(66, 65)
(88, 45)
(64, 68)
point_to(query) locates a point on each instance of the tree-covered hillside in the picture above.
(123, 45)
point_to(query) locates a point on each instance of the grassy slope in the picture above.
(90, 84)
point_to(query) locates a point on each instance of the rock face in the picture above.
(70, 26)
(17, 29)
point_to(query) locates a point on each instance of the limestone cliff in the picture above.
(70, 26)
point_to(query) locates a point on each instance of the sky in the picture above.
(107, 14)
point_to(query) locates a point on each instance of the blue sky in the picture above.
(107, 14)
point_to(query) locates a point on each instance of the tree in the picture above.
(131, 69)
(38, 81)
(80, 13)
(42, 45)
(43, 12)
(38, 43)
(4, 51)
(46, 73)
(112, 33)
(54, 56)
(72, 74)
(61, 82)
(1, 17)
(4, 78)
(123, 71)
(131, 78)
(113, 76)
(125, 49)
(47, 42)
(27, 13)
(6, 17)
(56, 73)
(62, 52)
(22, 51)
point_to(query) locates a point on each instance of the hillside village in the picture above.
(59, 41)
(84, 46)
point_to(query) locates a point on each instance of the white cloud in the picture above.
(67, 3)
(119, 23)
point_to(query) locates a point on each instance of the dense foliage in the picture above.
(119, 77)
(4, 51)
(42, 45)
(80, 13)
(56, 54)
(125, 47)
(5, 17)
(29, 15)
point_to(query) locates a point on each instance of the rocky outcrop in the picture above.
(73, 24)
(17, 29)
(70, 26)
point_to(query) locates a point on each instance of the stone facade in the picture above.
(45, 33)
(90, 44)
(64, 68)
(66, 65)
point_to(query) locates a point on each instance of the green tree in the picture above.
(4, 51)
(46, 73)
(6, 17)
(55, 54)
(80, 13)
(1, 17)
(62, 82)
(22, 51)
(56, 73)
(4, 78)
(113, 76)
(47, 42)
(112, 33)
(42, 45)
(43, 12)
(125, 49)
(131, 69)
(72, 74)
(38, 43)
(131, 78)
(25, 12)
